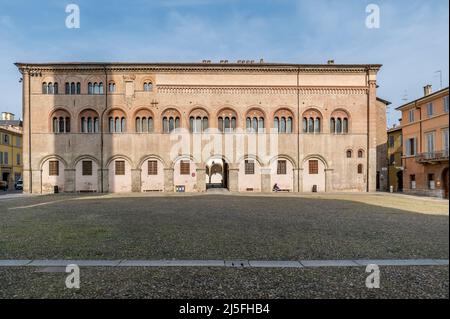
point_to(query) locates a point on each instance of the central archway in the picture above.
(217, 173)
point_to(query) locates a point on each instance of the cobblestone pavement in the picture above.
(221, 227)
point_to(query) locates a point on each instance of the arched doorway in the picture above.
(216, 173)
(400, 181)
(314, 175)
(445, 182)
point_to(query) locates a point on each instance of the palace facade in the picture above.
(135, 127)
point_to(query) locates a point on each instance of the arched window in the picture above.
(111, 125)
(248, 124)
(83, 125)
(138, 125)
(171, 124)
(117, 121)
(72, 88)
(50, 88)
(112, 87)
(144, 125)
(55, 127)
(305, 125)
(317, 127)
(67, 88)
(62, 126)
(205, 124)
(90, 88)
(220, 124)
(198, 124)
(339, 126)
(283, 125)
(96, 88)
(289, 125)
(227, 124)
(89, 121)
(255, 124)
(165, 125)
(261, 125)
(55, 88)
(96, 125)
(283, 121)
(360, 168)
(148, 86)
(67, 124)
(360, 154)
(310, 125)
(341, 122)
(44, 88)
(192, 124)
(78, 88)
(150, 125)
(100, 88)
(60, 122)
(345, 126)
(333, 125)
(89, 125)
(117, 125)
(349, 153)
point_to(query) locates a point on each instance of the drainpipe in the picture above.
(102, 130)
(368, 133)
(30, 187)
(419, 151)
(298, 129)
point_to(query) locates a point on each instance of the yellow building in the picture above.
(10, 149)
(395, 153)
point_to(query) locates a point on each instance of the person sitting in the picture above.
(276, 188)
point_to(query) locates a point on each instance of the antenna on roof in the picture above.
(405, 97)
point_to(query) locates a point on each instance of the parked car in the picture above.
(3, 185)
(19, 185)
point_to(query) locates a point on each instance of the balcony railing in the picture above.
(437, 156)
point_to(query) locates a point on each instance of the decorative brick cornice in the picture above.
(180, 89)
(198, 68)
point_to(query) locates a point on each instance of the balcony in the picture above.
(432, 157)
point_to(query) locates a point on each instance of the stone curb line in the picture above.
(225, 263)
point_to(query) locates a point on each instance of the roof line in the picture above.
(422, 98)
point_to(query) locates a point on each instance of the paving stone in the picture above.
(81, 263)
(328, 263)
(237, 263)
(398, 262)
(275, 264)
(14, 263)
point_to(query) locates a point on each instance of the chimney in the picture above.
(330, 62)
(427, 90)
(6, 116)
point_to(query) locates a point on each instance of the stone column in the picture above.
(136, 180)
(372, 134)
(168, 180)
(201, 180)
(328, 180)
(233, 179)
(266, 186)
(69, 180)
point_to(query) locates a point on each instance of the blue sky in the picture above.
(412, 42)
